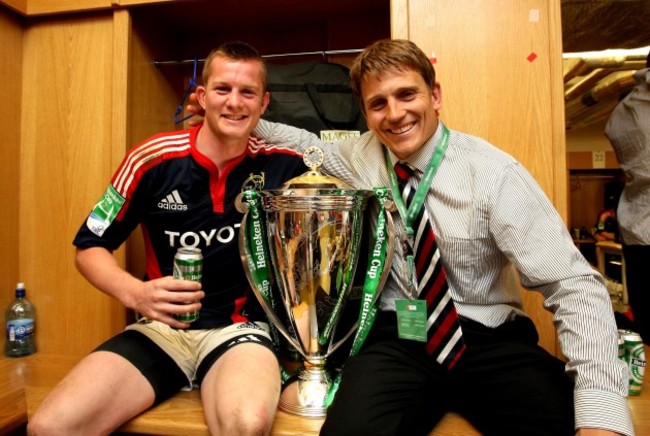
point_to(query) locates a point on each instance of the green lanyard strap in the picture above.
(408, 216)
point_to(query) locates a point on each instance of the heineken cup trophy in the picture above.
(300, 246)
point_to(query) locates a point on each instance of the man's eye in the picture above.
(376, 104)
(222, 90)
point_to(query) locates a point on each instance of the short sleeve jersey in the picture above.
(180, 198)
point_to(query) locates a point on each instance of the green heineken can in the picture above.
(635, 357)
(188, 265)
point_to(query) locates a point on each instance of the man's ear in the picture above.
(266, 99)
(436, 92)
(200, 96)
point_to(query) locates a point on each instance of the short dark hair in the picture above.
(236, 50)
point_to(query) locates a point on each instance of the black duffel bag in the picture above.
(315, 96)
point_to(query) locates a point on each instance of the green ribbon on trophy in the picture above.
(299, 247)
(257, 257)
(372, 282)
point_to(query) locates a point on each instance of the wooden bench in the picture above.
(13, 408)
(26, 382)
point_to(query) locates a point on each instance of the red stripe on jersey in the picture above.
(257, 145)
(218, 187)
(239, 304)
(153, 266)
(144, 157)
(218, 180)
(156, 149)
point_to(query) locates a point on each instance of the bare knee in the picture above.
(246, 421)
(47, 421)
(37, 426)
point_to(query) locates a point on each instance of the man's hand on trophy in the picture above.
(165, 298)
(195, 108)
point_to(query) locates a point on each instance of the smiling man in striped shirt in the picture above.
(492, 224)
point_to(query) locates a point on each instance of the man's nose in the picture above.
(394, 110)
(234, 99)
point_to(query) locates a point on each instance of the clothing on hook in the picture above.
(190, 87)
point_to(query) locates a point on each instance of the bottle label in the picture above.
(20, 329)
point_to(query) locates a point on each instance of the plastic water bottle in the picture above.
(20, 325)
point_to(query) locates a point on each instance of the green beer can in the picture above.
(188, 265)
(635, 357)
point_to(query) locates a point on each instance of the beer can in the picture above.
(188, 265)
(635, 357)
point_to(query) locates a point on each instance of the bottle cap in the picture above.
(20, 290)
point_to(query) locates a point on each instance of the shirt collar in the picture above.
(420, 159)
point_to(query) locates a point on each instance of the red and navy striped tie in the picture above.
(444, 336)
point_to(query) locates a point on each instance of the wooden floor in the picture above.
(24, 382)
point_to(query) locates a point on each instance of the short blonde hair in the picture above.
(235, 50)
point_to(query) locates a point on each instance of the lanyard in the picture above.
(408, 216)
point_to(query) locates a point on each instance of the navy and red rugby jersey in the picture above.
(180, 199)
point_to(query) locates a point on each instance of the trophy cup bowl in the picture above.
(313, 228)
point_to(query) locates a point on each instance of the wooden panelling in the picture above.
(17, 5)
(10, 85)
(40, 7)
(149, 87)
(67, 159)
(508, 93)
(587, 160)
(137, 2)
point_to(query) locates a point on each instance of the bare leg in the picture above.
(101, 393)
(240, 392)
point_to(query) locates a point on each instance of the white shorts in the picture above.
(192, 348)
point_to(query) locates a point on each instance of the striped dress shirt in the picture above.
(496, 228)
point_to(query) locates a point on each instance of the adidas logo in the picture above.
(173, 201)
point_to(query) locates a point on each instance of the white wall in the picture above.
(589, 138)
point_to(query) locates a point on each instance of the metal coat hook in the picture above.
(190, 87)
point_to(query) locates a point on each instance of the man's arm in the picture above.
(595, 432)
(287, 136)
(540, 247)
(157, 299)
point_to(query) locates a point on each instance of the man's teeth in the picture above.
(403, 129)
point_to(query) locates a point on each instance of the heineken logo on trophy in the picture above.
(300, 246)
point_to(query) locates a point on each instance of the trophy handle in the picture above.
(390, 249)
(270, 313)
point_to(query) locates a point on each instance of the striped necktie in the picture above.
(444, 336)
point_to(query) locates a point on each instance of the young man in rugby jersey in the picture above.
(181, 187)
(487, 213)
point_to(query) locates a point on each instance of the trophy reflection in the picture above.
(300, 249)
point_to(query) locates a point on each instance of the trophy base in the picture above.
(307, 394)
